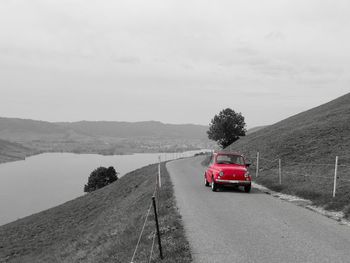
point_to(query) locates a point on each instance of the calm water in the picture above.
(49, 179)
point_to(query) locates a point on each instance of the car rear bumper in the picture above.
(233, 182)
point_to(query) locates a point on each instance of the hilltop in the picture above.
(102, 137)
(307, 144)
(102, 226)
(152, 129)
(316, 135)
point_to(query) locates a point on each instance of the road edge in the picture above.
(308, 204)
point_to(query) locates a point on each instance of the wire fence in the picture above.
(154, 202)
(138, 254)
(141, 233)
(152, 248)
(336, 175)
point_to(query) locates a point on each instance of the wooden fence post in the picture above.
(280, 171)
(159, 179)
(257, 164)
(157, 227)
(335, 175)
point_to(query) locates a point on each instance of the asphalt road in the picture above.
(233, 226)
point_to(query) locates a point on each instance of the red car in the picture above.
(228, 169)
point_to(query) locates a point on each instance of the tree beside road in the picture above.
(226, 127)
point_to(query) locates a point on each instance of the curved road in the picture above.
(233, 226)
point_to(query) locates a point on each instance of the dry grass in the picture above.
(102, 226)
(312, 137)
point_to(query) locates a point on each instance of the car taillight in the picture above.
(246, 175)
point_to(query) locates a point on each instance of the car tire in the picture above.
(247, 188)
(206, 183)
(214, 186)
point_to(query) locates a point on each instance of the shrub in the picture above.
(100, 177)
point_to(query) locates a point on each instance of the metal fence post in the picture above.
(157, 227)
(335, 175)
(257, 164)
(280, 170)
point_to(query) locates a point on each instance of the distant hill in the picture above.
(22, 129)
(152, 129)
(307, 144)
(103, 137)
(13, 151)
(15, 129)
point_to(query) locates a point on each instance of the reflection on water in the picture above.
(49, 179)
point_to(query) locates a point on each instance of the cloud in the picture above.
(161, 47)
(288, 66)
(127, 60)
(275, 35)
(275, 68)
(243, 55)
(246, 51)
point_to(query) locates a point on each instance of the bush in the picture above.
(100, 177)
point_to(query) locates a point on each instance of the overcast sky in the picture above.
(178, 61)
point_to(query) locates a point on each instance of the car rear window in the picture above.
(229, 159)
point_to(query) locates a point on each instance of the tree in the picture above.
(100, 177)
(226, 127)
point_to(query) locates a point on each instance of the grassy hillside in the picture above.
(255, 129)
(306, 143)
(102, 226)
(13, 151)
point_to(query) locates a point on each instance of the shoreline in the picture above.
(94, 152)
(50, 179)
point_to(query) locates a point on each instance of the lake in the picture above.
(49, 179)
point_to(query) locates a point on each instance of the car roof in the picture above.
(226, 153)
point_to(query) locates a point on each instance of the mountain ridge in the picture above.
(148, 128)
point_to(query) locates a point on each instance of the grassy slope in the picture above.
(255, 129)
(10, 151)
(314, 136)
(102, 226)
